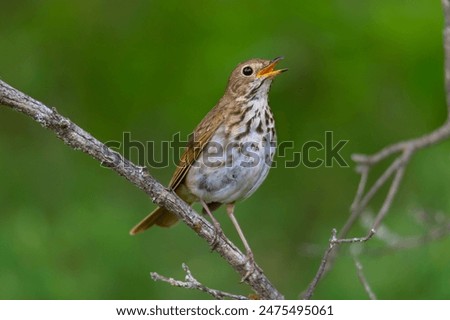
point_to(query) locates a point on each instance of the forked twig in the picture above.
(192, 283)
(404, 151)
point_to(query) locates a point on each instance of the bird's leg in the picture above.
(217, 228)
(250, 258)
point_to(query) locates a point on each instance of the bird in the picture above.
(230, 152)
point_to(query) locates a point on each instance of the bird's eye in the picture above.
(247, 71)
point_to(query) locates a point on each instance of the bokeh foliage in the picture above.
(370, 71)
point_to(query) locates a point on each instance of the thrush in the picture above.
(230, 152)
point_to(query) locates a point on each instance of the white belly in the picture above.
(234, 171)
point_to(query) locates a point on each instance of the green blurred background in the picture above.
(370, 71)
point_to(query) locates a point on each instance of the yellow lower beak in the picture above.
(269, 71)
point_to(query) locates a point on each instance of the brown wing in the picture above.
(202, 135)
(197, 142)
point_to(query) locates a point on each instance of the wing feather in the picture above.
(197, 142)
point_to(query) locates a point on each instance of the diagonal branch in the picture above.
(78, 139)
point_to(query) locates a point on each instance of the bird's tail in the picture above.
(160, 216)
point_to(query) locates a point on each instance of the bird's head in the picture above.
(253, 78)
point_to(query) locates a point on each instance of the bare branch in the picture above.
(332, 243)
(393, 241)
(405, 149)
(364, 172)
(79, 139)
(192, 283)
(392, 191)
(436, 136)
(361, 201)
(356, 240)
(362, 278)
(359, 207)
(438, 227)
(312, 286)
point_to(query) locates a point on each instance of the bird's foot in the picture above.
(250, 260)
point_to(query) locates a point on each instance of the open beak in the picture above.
(269, 72)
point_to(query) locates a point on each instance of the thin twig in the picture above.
(357, 239)
(392, 191)
(333, 243)
(312, 286)
(192, 283)
(434, 137)
(361, 202)
(393, 242)
(362, 278)
(438, 227)
(364, 172)
(379, 183)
